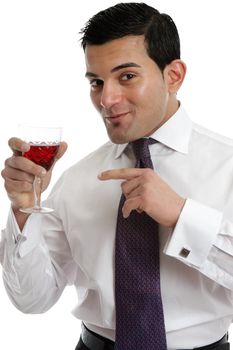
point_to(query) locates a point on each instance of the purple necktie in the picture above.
(139, 310)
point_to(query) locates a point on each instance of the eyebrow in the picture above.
(115, 69)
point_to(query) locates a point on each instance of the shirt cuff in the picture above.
(28, 238)
(194, 234)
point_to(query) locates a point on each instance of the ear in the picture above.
(174, 74)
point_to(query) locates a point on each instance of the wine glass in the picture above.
(44, 143)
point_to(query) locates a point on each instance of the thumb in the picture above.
(61, 150)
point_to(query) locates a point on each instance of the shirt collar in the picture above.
(175, 133)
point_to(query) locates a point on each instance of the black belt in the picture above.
(95, 341)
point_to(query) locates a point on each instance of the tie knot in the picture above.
(141, 151)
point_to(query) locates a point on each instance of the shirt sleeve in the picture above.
(35, 268)
(203, 239)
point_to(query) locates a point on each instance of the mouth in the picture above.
(116, 118)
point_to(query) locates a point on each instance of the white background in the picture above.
(42, 78)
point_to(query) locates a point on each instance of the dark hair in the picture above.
(160, 32)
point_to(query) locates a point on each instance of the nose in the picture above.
(111, 95)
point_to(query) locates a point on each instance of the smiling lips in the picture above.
(116, 118)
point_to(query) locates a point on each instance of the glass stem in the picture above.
(37, 185)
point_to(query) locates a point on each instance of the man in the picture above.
(134, 68)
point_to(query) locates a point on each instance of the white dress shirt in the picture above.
(75, 244)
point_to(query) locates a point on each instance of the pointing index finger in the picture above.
(120, 174)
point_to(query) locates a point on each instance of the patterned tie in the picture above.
(139, 311)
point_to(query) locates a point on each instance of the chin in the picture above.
(118, 141)
(123, 137)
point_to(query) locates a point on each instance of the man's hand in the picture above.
(146, 191)
(19, 174)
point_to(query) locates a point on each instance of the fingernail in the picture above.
(25, 147)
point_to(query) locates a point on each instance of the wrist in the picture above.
(179, 207)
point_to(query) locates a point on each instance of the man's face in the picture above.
(127, 88)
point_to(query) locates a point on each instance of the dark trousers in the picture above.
(95, 341)
(81, 346)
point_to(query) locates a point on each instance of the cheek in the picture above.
(159, 95)
(152, 97)
(152, 108)
(152, 91)
(140, 93)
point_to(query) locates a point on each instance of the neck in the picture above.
(171, 110)
(172, 106)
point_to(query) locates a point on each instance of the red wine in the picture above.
(43, 154)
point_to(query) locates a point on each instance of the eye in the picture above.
(127, 76)
(96, 83)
